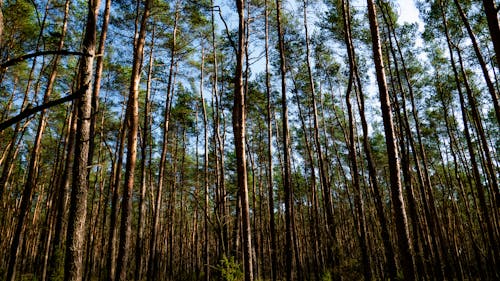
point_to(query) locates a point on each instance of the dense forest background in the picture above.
(249, 139)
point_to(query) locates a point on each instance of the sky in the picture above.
(408, 12)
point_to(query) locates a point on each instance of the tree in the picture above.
(73, 269)
(132, 117)
(239, 139)
(398, 204)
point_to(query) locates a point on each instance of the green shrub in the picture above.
(229, 269)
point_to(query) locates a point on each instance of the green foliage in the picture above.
(326, 276)
(229, 269)
(20, 26)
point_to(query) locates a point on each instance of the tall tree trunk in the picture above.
(73, 269)
(287, 184)
(398, 204)
(239, 139)
(206, 237)
(141, 223)
(391, 266)
(217, 115)
(132, 117)
(272, 224)
(351, 143)
(153, 252)
(115, 180)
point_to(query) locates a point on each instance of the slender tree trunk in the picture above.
(115, 181)
(57, 257)
(272, 224)
(287, 185)
(484, 210)
(97, 79)
(206, 237)
(358, 197)
(391, 266)
(141, 223)
(479, 56)
(132, 117)
(398, 204)
(153, 252)
(78, 204)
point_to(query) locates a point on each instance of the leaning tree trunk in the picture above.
(482, 63)
(398, 203)
(391, 266)
(493, 25)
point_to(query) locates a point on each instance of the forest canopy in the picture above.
(249, 140)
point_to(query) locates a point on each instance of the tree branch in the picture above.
(41, 53)
(32, 110)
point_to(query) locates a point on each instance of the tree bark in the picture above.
(493, 25)
(398, 203)
(142, 220)
(73, 269)
(287, 184)
(132, 117)
(239, 117)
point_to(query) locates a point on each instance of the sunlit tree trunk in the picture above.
(141, 244)
(73, 269)
(206, 237)
(391, 266)
(132, 117)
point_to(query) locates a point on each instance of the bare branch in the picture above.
(32, 110)
(41, 53)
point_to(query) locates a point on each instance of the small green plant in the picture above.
(326, 276)
(229, 269)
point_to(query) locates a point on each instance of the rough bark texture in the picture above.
(239, 139)
(73, 269)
